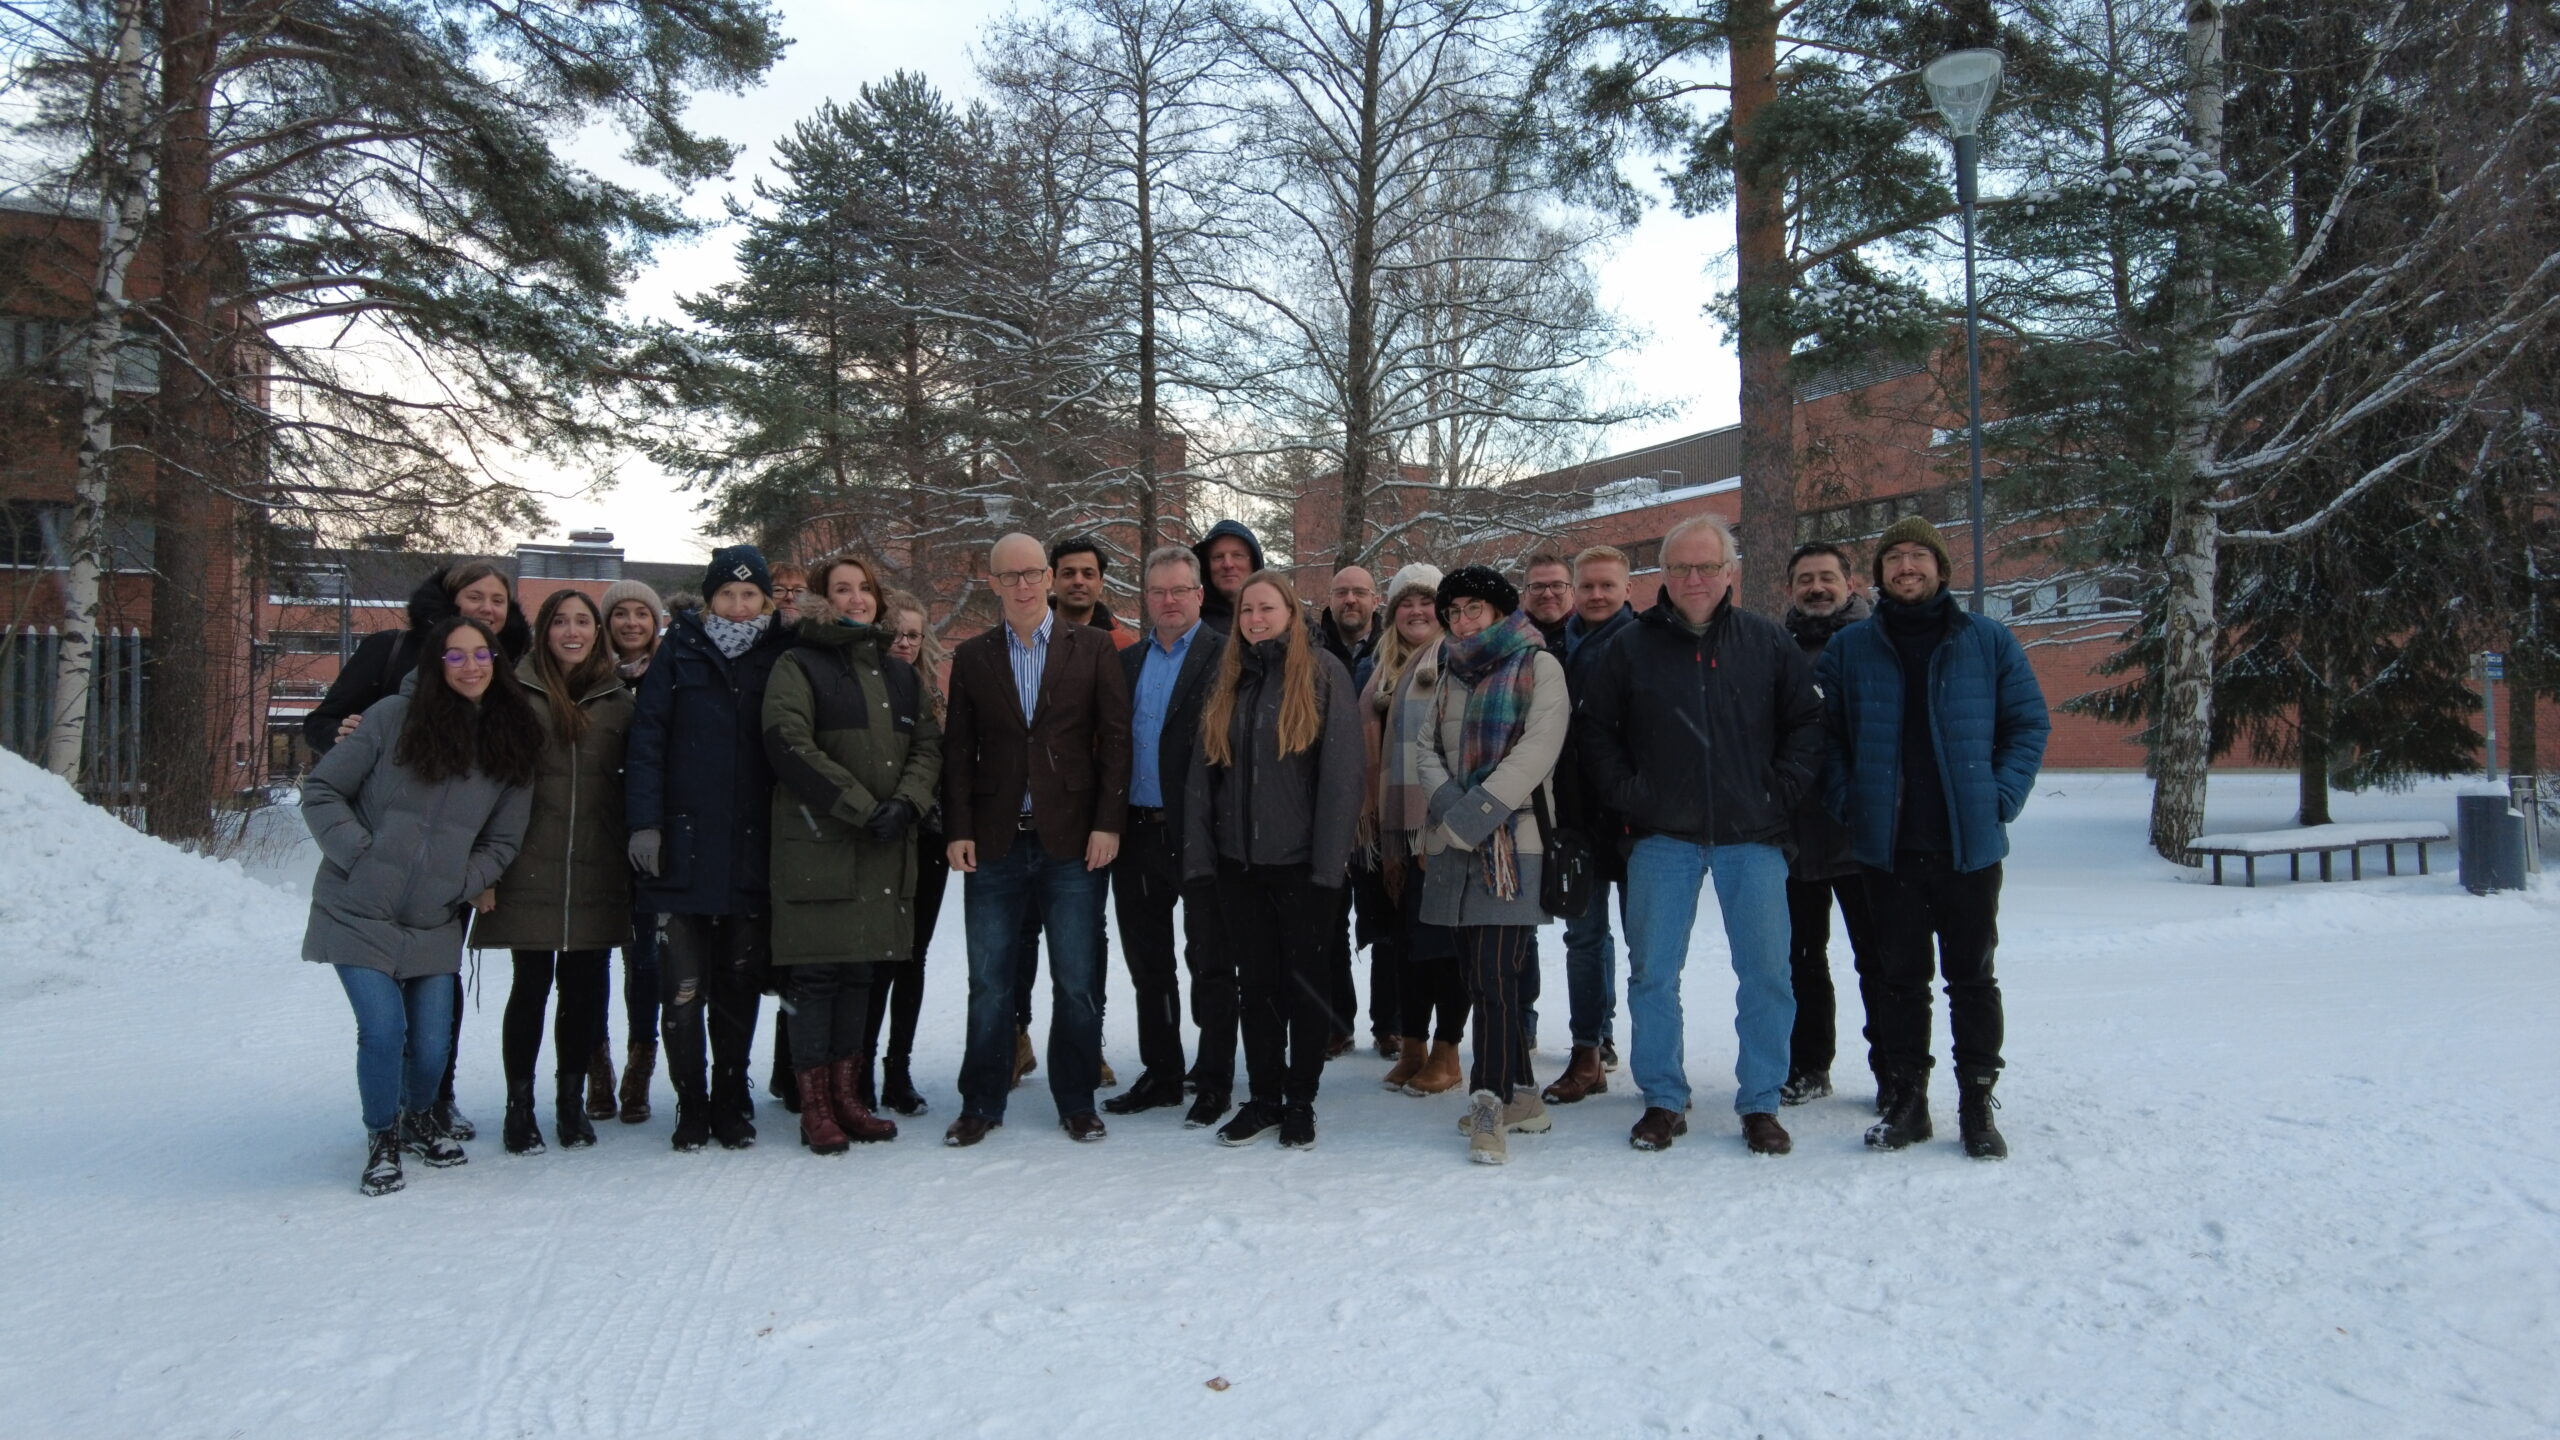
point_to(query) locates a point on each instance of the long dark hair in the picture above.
(568, 687)
(447, 737)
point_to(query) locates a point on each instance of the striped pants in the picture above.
(1501, 962)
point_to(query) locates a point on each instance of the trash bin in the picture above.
(2491, 835)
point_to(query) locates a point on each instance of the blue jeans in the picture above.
(1067, 899)
(1591, 972)
(404, 1030)
(1662, 907)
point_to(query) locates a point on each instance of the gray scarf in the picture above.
(734, 636)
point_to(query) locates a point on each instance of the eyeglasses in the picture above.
(907, 637)
(1174, 592)
(457, 657)
(1015, 579)
(1548, 587)
(1693, 572)
(1472, 609)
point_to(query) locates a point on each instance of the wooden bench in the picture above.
(2324, 841)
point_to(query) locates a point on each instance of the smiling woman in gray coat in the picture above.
(416, 814)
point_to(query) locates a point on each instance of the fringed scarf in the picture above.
(1408, 703)
(1497, 665)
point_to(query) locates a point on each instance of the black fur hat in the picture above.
(1475, 582)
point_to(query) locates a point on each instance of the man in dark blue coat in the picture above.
(697, 797)
(1936, 728)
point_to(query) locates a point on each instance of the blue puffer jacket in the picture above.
(1987, 718)
(695, 770)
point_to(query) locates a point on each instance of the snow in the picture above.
(2286, 1162)
(2310, 837)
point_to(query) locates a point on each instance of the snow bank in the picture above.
(86, 890)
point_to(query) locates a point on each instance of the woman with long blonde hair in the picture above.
(1403, 695)
(1272, 804)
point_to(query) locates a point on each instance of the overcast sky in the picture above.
(1660, 278)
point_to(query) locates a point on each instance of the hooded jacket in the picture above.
(569, 887)
(400, 858)
(847, 728)
(1711, 738)
(385, 658)
(1215, 608)
(1274, 809)
(697, 773)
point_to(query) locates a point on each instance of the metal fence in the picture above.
(111, 761)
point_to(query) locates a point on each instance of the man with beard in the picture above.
(1822, 600)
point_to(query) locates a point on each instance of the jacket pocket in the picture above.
(806, 867)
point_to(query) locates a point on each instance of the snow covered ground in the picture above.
(2287, 1162)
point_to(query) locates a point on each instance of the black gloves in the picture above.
(888, 823)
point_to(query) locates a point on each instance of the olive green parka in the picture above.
(847, 727)
(569, 888)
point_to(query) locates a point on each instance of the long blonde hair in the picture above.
(1393, 649)
(932, 658)
(1301, 719)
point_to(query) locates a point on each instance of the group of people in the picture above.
(762, 793)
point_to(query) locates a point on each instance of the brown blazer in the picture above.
(1074, 753)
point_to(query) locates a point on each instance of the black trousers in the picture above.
(1373, 919)
(1275, 919)
(575, 1030)
(1146, 885)
(1816, 1041)
(828, 1006)
(897, 991)
(1342, 994)
(1931, 920)
(1429, 979)
(710, 980)
(1501, 963)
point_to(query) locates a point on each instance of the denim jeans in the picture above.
(1067, 899)
(1663, 876)
(404, 1031)
(1591, 972)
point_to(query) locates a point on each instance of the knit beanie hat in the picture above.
(1421, 576)
(732, 563)
(1913, 530)
(1476, 582)
(621, 590)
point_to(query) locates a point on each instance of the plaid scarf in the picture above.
(1498, 667)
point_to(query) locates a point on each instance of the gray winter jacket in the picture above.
(400, 858)
(1454, 889)
(1271, 809)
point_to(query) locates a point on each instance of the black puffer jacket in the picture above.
(1274, 809)
(695, 770)
(1822, 843)
(1713, 739)
(383, 659)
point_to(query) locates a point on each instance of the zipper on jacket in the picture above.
(569, 856)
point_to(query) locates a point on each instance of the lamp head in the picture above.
(1961, 84)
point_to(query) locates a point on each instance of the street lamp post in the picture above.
(1961, 84)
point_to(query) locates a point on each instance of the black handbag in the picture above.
(1569, 870)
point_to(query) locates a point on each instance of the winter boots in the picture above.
(1526, 1114)
(898, 1087)
(423, 1135)
(693, 1115)
(1906, 1113)
(732, 1107)
(570, 1114)
(1486, 1144)
(1440, 1072)
(1409, 1056)
(1025, 1058)
(382, 1163)
(455, 1123)
(637, 1065)
(818, 1129)
(1764, 1135)
(523, 1136)
(601, 1104)
(1974, 1104)
(1804, 1086)
(853, 1111)
(1583, 1075)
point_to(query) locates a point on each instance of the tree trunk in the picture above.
(179, 707)
(1150, 431)
(121, 213)
(2182, 748)
(2312, 755)
(1360, 329)
(2524, 757)
(1762, 280)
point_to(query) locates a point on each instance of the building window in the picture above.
(306, 642)
(1644, 555)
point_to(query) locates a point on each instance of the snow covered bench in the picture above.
(2323, 841)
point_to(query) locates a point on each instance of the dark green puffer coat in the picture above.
(570, 886)
(847, 727)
